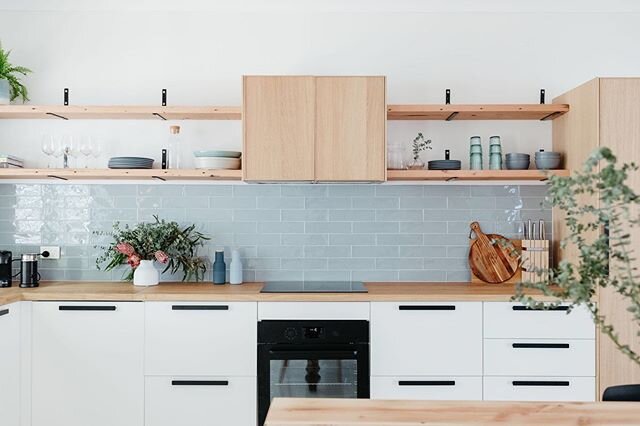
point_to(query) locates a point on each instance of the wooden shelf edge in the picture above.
(120, 112)
(134, 174)
(472, 175)
(451, 112)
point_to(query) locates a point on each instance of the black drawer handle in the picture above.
(427, 307)
(4, 312)
(540, 346)
(540, 383)
(426, 383)
(86, 308)
(200, 307)
(526, 308)
(199, 383)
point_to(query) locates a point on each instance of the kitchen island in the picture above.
(366, 412)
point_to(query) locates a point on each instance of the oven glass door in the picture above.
(312, 372)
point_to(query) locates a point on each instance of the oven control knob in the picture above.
(290, 333)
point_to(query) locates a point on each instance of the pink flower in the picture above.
(125, 248)
(134, 261)
(161, 256)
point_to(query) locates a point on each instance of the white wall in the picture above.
(125, 52)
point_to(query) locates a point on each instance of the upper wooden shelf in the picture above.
(473, 175)
(394, 112)
(120, 112)
(137, 174)
(477, 112)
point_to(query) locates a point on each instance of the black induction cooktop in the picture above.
(313, 287)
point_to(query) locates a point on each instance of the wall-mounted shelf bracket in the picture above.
(164, 97)
(66, 96)
(542, 96)
(447, 96)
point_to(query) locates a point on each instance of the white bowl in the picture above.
(216, 163)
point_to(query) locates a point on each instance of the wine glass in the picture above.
(86, 148)
(48, 146)
(69, 149)
(97, 149)
(57, 147)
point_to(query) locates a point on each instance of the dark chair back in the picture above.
(622, 393)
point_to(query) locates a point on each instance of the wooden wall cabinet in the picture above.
(304, 128)
(605, 112)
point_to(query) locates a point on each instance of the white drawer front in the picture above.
(188, 338)
(313, 310)
(427, 388)
(539, 388)
(510, 320)
(426, 339)
(540, 357)
(198, 401)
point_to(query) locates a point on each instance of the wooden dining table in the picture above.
(366, 412)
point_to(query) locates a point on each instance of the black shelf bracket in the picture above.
(447, 96)
(451, 116)
(164, 97)
(159, 178)
(56, 115)
(66, 96)
(57, 177)
(541, 96)
(159, 116)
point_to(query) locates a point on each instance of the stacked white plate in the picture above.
(130, 163)
(216, 159)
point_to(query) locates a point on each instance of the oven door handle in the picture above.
(315, 353)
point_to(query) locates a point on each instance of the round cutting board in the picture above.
(492, 258)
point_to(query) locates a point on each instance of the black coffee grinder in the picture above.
(29, 276)
(5, 268)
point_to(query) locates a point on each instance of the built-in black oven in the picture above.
(312, 359)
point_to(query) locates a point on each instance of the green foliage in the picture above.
(10, 73)
(605, 260)
(180, 245)
(419, 144)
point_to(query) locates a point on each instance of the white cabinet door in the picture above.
(200, 401)
(10, 365)
(87, 364)
(426, 339)
(200, 339)
(427, 388)
(513, 320)
(540, 357)
(539, 388)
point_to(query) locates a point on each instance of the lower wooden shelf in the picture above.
(473, 175)
(137, 174)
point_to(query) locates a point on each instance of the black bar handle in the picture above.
(540, 383)
(540, 345)
(427, 307)
(426, 383)
(200, 307)
(85, 308)
(4, 312)
(526, 308)
(199, 383)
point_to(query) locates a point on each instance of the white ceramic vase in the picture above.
(146, 274)
(5, 93)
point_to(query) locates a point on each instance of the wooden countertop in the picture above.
(388, 291)
(365, 412)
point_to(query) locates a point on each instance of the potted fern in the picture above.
(10, 85)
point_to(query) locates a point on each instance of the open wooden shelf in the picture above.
(477, 112)
(74, 112)
(137, 174)
(394, 112)
(472, 175)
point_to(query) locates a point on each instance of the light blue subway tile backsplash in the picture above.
(284, 232)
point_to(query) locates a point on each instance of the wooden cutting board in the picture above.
(492, 257)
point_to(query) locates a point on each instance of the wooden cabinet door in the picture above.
(350, 129)
(278, 122)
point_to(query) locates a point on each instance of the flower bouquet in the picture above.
(165, 242)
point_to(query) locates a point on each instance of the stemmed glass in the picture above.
(48, 146)
(86, 149)
(96, 151)
(69, 149)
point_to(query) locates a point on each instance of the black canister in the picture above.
(29, 276)
(5, 268)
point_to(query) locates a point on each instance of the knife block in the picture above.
(535, 256)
